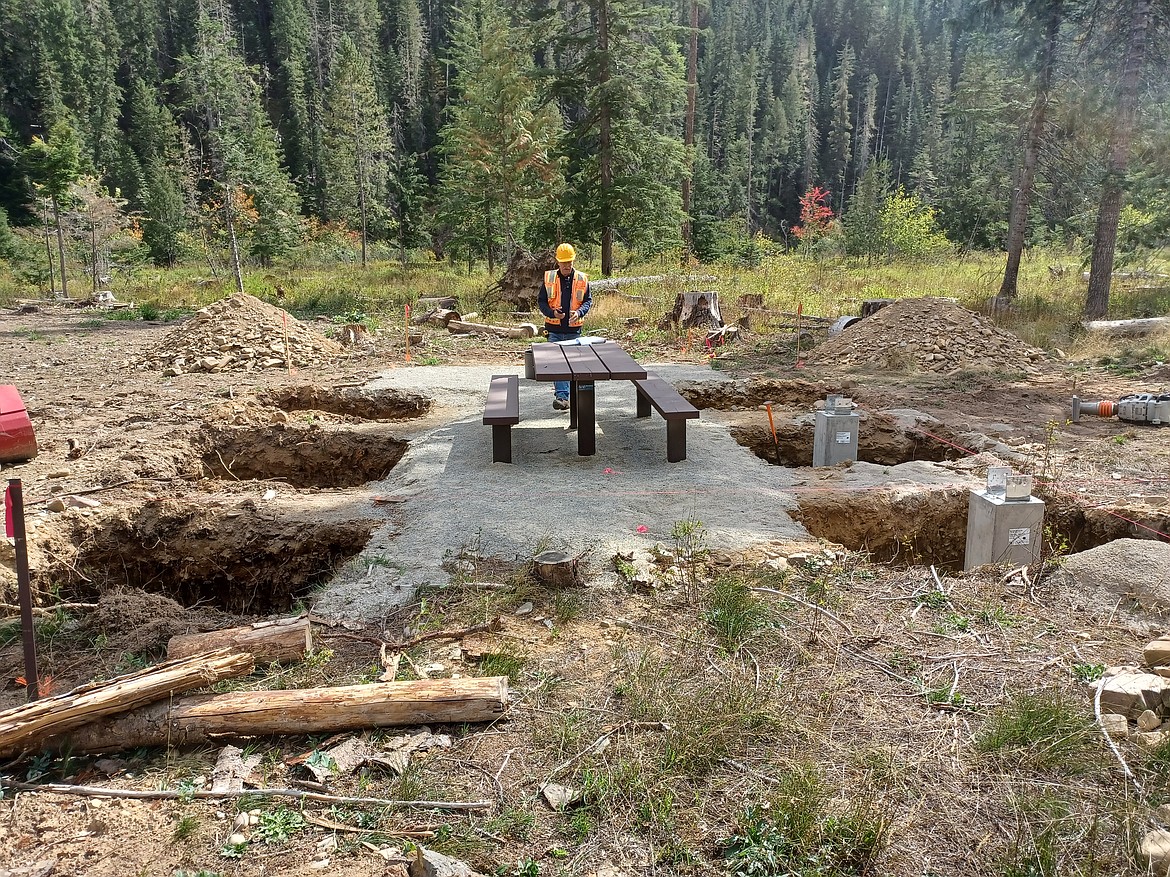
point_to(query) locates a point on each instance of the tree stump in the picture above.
(557, 568)
(696, 310)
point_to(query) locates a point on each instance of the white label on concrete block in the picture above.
(843, 438)
(1019, 536)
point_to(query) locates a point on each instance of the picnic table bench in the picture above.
(675, 410)
(501, 413)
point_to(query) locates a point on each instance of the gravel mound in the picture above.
(929, 334)
(240, 333)
(1137, 569)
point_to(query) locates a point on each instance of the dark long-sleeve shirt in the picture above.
(566, 298)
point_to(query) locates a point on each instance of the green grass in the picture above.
(185, 828)
(1038, 732)
(804, 832)
(734, 614)
(505, 663)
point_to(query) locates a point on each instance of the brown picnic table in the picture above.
(582, 365)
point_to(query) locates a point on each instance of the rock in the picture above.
(524, 609)
(1148, 721)
(1117, 727)
(1150, 739)
(56, 504)
(278, 417)
(1131, 694)
(236, 839)
(1155, 850)
(428, 863)
(81, 502)
(777, 564)
(172, 371)
(560, 797)
(1157, 653)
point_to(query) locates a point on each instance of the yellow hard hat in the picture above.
(566, 253)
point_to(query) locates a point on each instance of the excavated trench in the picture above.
(930, 526)
(881, 440)
(357, 402)
(250, 558)
(310, 456)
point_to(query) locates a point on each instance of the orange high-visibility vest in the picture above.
(552, 282)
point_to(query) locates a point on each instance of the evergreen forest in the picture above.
(246, 132)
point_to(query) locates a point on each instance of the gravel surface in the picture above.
(550, 497)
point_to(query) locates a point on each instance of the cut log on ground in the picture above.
(437, 316)
(1132, 328)
(23, 728)
(198, 719)
(524, 330)
(284, 640)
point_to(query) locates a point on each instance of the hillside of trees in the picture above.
(237, 130)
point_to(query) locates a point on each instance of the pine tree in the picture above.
(357, 144)
(53, 166)
(1042, 19)
(624, 88)
(1140, 18)
(840, 142)
(498, 143)
(240, 154)
(155, 141)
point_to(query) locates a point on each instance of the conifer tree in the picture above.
(155, 140)
(240, 156)
(357, 143)
(624, 87)
(498, 142)
(53, 166)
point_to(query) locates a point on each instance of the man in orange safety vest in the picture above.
(564, 299)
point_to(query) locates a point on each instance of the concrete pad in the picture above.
(455, 497)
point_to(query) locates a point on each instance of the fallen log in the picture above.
(461, 327)
(200, 718)
(609, 283)
(1122, 328)
(284, 640)
(23, 728)
(438, 316)
(206, 794)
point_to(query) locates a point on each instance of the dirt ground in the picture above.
(223, 497)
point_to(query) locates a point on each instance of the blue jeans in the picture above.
(561, 388)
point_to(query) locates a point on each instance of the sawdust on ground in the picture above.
(241, 333)
(927, 334)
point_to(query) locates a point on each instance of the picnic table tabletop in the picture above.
(584, 362)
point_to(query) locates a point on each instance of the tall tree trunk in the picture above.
(93, 256)
(359, 149)
(1018, 221)
(233, 241)
(60, 248)
(605, 136)
(48, 248)
(689, 128)
(491, 258)
(1109, 212)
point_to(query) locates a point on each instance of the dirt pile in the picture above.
(240, 333)
(930, 334)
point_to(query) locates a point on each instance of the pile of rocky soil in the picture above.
(240, 333)
(928, 334)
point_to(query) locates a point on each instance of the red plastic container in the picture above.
(17, 441)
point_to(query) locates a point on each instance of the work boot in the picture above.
(561, 404)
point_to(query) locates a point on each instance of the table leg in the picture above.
(586, 421)
(572, 404)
